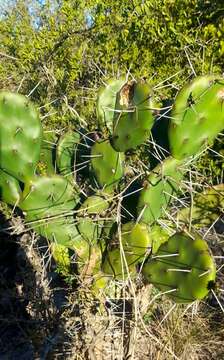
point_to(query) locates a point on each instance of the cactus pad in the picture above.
(162, 183)
(10, 191)
(197, 117)
(135, 240)
(183, 267)
(20, 136)
(48, 196)
(206, 207)
(66, 153)
(106, 101)
(107, 164)
(114, 265)
(46, 165)
(133, 117)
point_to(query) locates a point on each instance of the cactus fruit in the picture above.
(10, 190)
(206, 207)
(133, 117)
(66, 153)
(106, 101)
(107, 164)
(20, 136)
(162, 183)
(197, 116)
(183, 267)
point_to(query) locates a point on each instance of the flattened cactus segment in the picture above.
(107, 164)
(205, 209)
(66, 153)
(106, 101)
(47, 196)
(135, 239)
(159, 188)
(197, 116)
(133, 118)
(118, 266)
(20, 136)
(46, 165)
(10, 190)
(91, 218)
(183, 268)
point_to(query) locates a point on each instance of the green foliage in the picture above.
(60, 53)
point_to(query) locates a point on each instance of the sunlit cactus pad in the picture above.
(107, 164)
(197, 116)
(106, 101)
(66, 153)
(133, 117)
(159, 189)
(206, 207)
(183, 268)
(10, 190)
(119, 265)
(20, 136)
(46, 196)
(135, 240)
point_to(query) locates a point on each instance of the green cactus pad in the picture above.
(183, 267)
(46, 196)
(66, 153)
(157, 237)
(114, 265)
(197, 116)
(106, 101)
(135, 240)
(20, 136)
(10, 191)
(107, 164)
(46, 165)
(206, 207)
(162, 183)
(90, 223)
(133, 117)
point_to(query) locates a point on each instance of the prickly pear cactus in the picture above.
(157, 237)
(66, 153)
(135, 240)
(159, 189)
(46, 164)
(197, 116)
(107, 164)
(119, 265)
(90, 218)
(47, 196)
(183, 268)
(20, 136)
(133, 116)
(10, 190)
(106, 101)
(205, 209)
